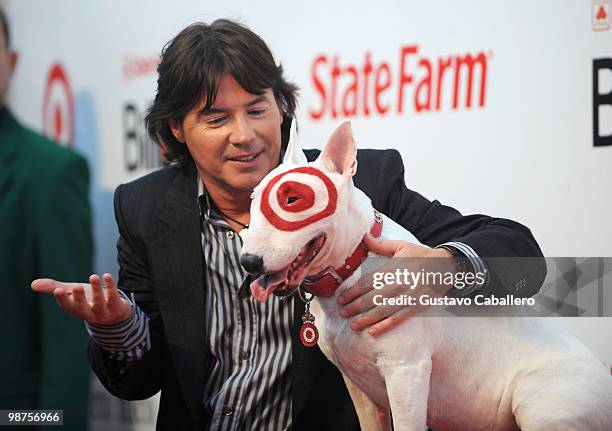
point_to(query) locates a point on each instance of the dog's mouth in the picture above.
(286, 281)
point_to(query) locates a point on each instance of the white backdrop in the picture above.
(526, 152)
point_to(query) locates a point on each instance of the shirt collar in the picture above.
(208, 211)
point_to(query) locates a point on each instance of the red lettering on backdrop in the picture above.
(367, 69)
(346, 90)
(319, 87)
(335, 73)
(404, 78)
(136, 67)
(443, 64)
(423, 85)
(349, 99)
(383, 82)
(469, 62)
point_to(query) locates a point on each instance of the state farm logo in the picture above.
(58, 107)
(600, 13)
(416, 82)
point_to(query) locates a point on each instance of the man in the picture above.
(46, 230)
(221, 359)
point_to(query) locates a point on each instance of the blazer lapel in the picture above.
(177, 265)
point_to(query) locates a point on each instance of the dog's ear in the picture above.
(340, 154)
(294, 154)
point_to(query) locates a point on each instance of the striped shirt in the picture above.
(249, 384)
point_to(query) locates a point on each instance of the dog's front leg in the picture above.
(408, 391)
(372, 417)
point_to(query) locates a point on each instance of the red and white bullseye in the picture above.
(298, 197)
(309, 334)
(58, 107)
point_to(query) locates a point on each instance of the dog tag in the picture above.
(309, 334)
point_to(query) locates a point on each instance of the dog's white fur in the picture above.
(451, 373)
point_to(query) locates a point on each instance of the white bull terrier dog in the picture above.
(449, 373)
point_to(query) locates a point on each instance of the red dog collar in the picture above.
(326, 282)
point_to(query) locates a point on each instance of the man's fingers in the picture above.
(364, 291)
(355, 291)
(48, 285)
(395, 248)
(72, 301)
(45, 285)
(99, 305)
(117, 306)
(355, 296)
(358, 306)
(384, 247)
(362, 322)
(112, 294)
(97, 294)
(374, 315)
(62, 298)
(389, 323)
(79, 299)
(383, 318)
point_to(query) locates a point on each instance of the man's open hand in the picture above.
(89, 302)
(358, 300)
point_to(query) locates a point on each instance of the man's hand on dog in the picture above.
(358, 300)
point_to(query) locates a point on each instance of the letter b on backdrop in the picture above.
(602, 102)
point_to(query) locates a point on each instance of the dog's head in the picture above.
(301, 216)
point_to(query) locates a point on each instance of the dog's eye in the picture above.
(292, 199)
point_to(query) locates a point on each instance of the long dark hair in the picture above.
(191, 68)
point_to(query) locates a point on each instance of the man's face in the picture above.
(236, 142)
(7, 64)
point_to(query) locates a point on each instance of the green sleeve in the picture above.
(65, 252)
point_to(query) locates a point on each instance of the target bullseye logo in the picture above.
(58, 107)
(293, 203)
(309, 334)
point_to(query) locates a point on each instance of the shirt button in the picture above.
(245, 354)
(230, 234)
(227, 411)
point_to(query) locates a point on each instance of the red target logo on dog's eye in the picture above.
(290, 204)
(295, 197)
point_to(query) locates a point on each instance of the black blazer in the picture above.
(160, 258)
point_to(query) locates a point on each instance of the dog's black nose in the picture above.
(252, 263)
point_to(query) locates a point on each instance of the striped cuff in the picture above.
(126, 341)
(478, 266)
